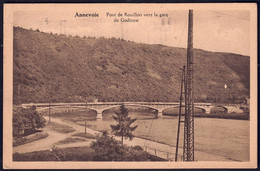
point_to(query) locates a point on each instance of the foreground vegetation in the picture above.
(105, 148)
(25, 123)
(108, 149)
(55, 154)
(34, 137)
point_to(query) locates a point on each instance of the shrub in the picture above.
(57, 154)
(137, 147)
(108, 149)
(26, 121)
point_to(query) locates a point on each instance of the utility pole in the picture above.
(86, 119)
(188, 145)
(49, 112)
(180, 120)
(19, 94)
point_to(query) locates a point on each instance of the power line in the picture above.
(229, 15)
(148, 132)
(182, 32)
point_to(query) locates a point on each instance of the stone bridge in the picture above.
(99, 107)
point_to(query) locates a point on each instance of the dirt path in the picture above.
(152, 147)
(48, 142)
(42, 144)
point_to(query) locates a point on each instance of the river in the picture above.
(224, 137)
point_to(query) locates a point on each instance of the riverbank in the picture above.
(224, 137)
(153, 147)
(237, 116)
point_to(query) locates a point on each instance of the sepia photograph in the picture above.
(130, 86)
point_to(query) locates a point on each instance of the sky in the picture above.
(214, 30)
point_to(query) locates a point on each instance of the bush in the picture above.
(138, 148)
(108, 149)
(26, 121)
(104, 149)
(25, 140)
(57, 154)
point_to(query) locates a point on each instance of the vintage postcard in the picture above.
(99, 86)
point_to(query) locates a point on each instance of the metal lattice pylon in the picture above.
(188, 143)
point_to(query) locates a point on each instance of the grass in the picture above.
(70, 140)
(30, 138)
(64, 129)
(68, 154)
(87, 135)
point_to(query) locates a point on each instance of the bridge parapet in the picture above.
(99, 107)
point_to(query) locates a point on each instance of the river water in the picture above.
(224, 137)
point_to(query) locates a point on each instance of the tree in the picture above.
(106, 148)
(26, 121)
(18, 124)
(123, 128)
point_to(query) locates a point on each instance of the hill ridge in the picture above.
(59, 68)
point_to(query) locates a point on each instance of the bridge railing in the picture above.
(52, 104)
(162, 154)
(97, 103)
(227, 104)
(120, 103)
(104, 103)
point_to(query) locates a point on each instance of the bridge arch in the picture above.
(220, 106)
(177, 107)
(201, 108)
(139, 105)
(169, 107)
(100, 111)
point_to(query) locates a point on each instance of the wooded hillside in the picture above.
(60, 68)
